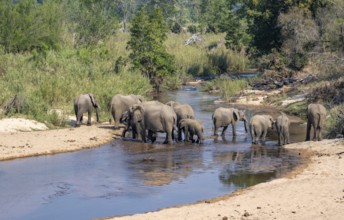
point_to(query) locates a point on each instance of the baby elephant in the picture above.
(259, 125)
(282, 126)
(192, 127)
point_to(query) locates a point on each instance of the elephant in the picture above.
(121, 103)
(282, 127)
(182, 111)
(127, 119)
(316, 118)
(154, 118)
(192, 127)
(259, 125)
(85, 103)
(222, 117)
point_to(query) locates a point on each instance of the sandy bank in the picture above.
(315, 191)
(15, 144)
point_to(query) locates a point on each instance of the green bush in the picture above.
(335, 123)
(226, 87)
(28, 25)
(192, 29)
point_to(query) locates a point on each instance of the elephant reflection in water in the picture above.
(231, 157)
(164, 165)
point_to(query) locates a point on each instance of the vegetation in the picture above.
(53, 50)
(148, 53)
(227, 87)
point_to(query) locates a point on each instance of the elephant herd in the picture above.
(147, 118)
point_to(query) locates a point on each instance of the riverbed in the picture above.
(128, 177)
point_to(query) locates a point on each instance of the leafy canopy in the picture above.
(148, 52)
(28, 25)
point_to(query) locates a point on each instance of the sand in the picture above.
(36, 140)
(312, 191)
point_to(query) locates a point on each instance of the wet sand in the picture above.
(312, 191)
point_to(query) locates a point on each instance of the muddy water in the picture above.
(126, 177)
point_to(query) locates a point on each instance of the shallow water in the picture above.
(127, 177)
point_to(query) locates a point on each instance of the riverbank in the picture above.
(14, 143)
(314, 191)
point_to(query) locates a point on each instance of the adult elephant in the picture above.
(127, 119)
(121, 103)
(183, 111)
(316, 116)
(259, 125)
(154, 118)
(222, 117)
(85, 103)
(282, 127)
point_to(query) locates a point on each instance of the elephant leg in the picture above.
(308, 134)
(151, 136)
(143, 135)
(287, 137)
(224, 130)
(319, 134)
(234, 128)
(216, 129)
(180, 134)
(186, 133)
(279, 139)
(89, 118)
(314, 132)
(78, 119)
(265, 131)
(168, 139)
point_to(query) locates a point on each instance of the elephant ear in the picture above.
(93, 100)
(124, 117)
(235, 115)
(137, 111)
(182, 123)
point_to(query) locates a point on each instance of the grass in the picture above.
(52, 80)
(226, 87)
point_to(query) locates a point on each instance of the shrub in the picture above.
(226, 87)
(335, 122)
(28, 25)
(192, 29)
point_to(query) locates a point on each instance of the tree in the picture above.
(28, 25)
(148, 53)
(300, 34)
(94, 21)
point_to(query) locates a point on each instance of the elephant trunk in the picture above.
(97, 114)
(245, 125)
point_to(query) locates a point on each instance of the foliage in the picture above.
(93, 22)
(28, 25)
(227, 87)
(299, 31)
(297, 108)
(226, 60)
(63, 76)
(335, 122)
(148, 53)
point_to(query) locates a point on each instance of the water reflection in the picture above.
(260, 164)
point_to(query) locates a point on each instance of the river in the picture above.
(127, 177)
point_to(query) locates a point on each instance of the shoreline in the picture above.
(15, 145)
(314, 190)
